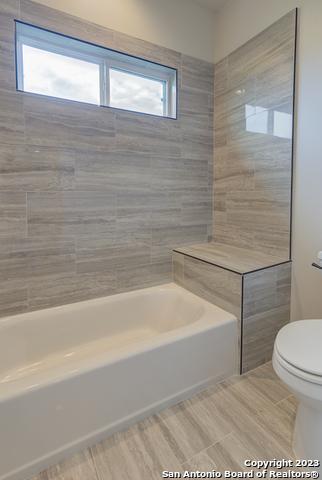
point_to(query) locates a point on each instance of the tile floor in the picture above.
(243, 417)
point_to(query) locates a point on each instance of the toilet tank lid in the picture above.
(300, 344)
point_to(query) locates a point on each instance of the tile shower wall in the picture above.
(93, 200)
(253, 141)
(266, 309)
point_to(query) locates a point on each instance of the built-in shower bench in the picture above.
(254, 286)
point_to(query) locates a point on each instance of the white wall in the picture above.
(181, 25)
(238, 22)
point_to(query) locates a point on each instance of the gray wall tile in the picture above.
(93, 200)
(70, 213)
(253, 158)
(266, 310)
(214, 284)
(8, 12)
(260, 301)
(11, 118)
(50, 122)
(59, 289)
(13, 297)
(13, 213)
(33, 168)
(54, 20)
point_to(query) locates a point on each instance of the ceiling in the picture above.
(212, 4)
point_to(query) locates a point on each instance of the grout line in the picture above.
(207, 448)
(94, 463)
(283, 399)
(294, 125)
(241, 325)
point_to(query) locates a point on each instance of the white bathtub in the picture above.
(71, 375)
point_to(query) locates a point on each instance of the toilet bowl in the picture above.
(297, 360)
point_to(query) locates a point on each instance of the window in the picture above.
(58, 66)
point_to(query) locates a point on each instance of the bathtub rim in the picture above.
(205, 323)
(72, 306)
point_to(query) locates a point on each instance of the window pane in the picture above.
(133, 92)
(60, 76)
(56, 65)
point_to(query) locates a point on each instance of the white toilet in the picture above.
(297, 360)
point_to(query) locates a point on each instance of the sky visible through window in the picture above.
(66, 77)
(60, 76)
(133, 92)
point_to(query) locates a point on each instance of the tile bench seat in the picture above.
(254, 286)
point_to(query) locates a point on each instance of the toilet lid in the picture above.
(300, 344)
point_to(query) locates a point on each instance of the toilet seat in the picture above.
(298, 348)
(297, 361)
(297, 372)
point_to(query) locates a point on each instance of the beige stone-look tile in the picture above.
(270, 45)
(201, 462)
(169, 174)
(50, 122)
(57, 21)
(194, 268)
(265, 380)
(221, 76)
(165, 239)
(183, 425)
(13, 296)
(266, 310)
(8, 12)
(195, 107)
(253, 95)
(236, 259)
(273, 164)
(257, 209)
(146, 50)
(197, 146)
(53, 290)
(217, 429)
(252, 400)
(156, 453)
(141, 276)
(259, 438)
(12, 213)
(140, 452)
(147, 135)
(32, 168)
(128, 187)
(79, 466)
(178, 268)
(204, 410)
(113, 171)
(230, 174)
(161, 209)
(267, 289)
(197, 74)
(70, 213)
(11, 118)
(229, 454)
(31, 257)
(112, 460)
(216, 285)
(95, 254)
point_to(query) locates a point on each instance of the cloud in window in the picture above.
(133, 92)
(66, 77)
(60, 76)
